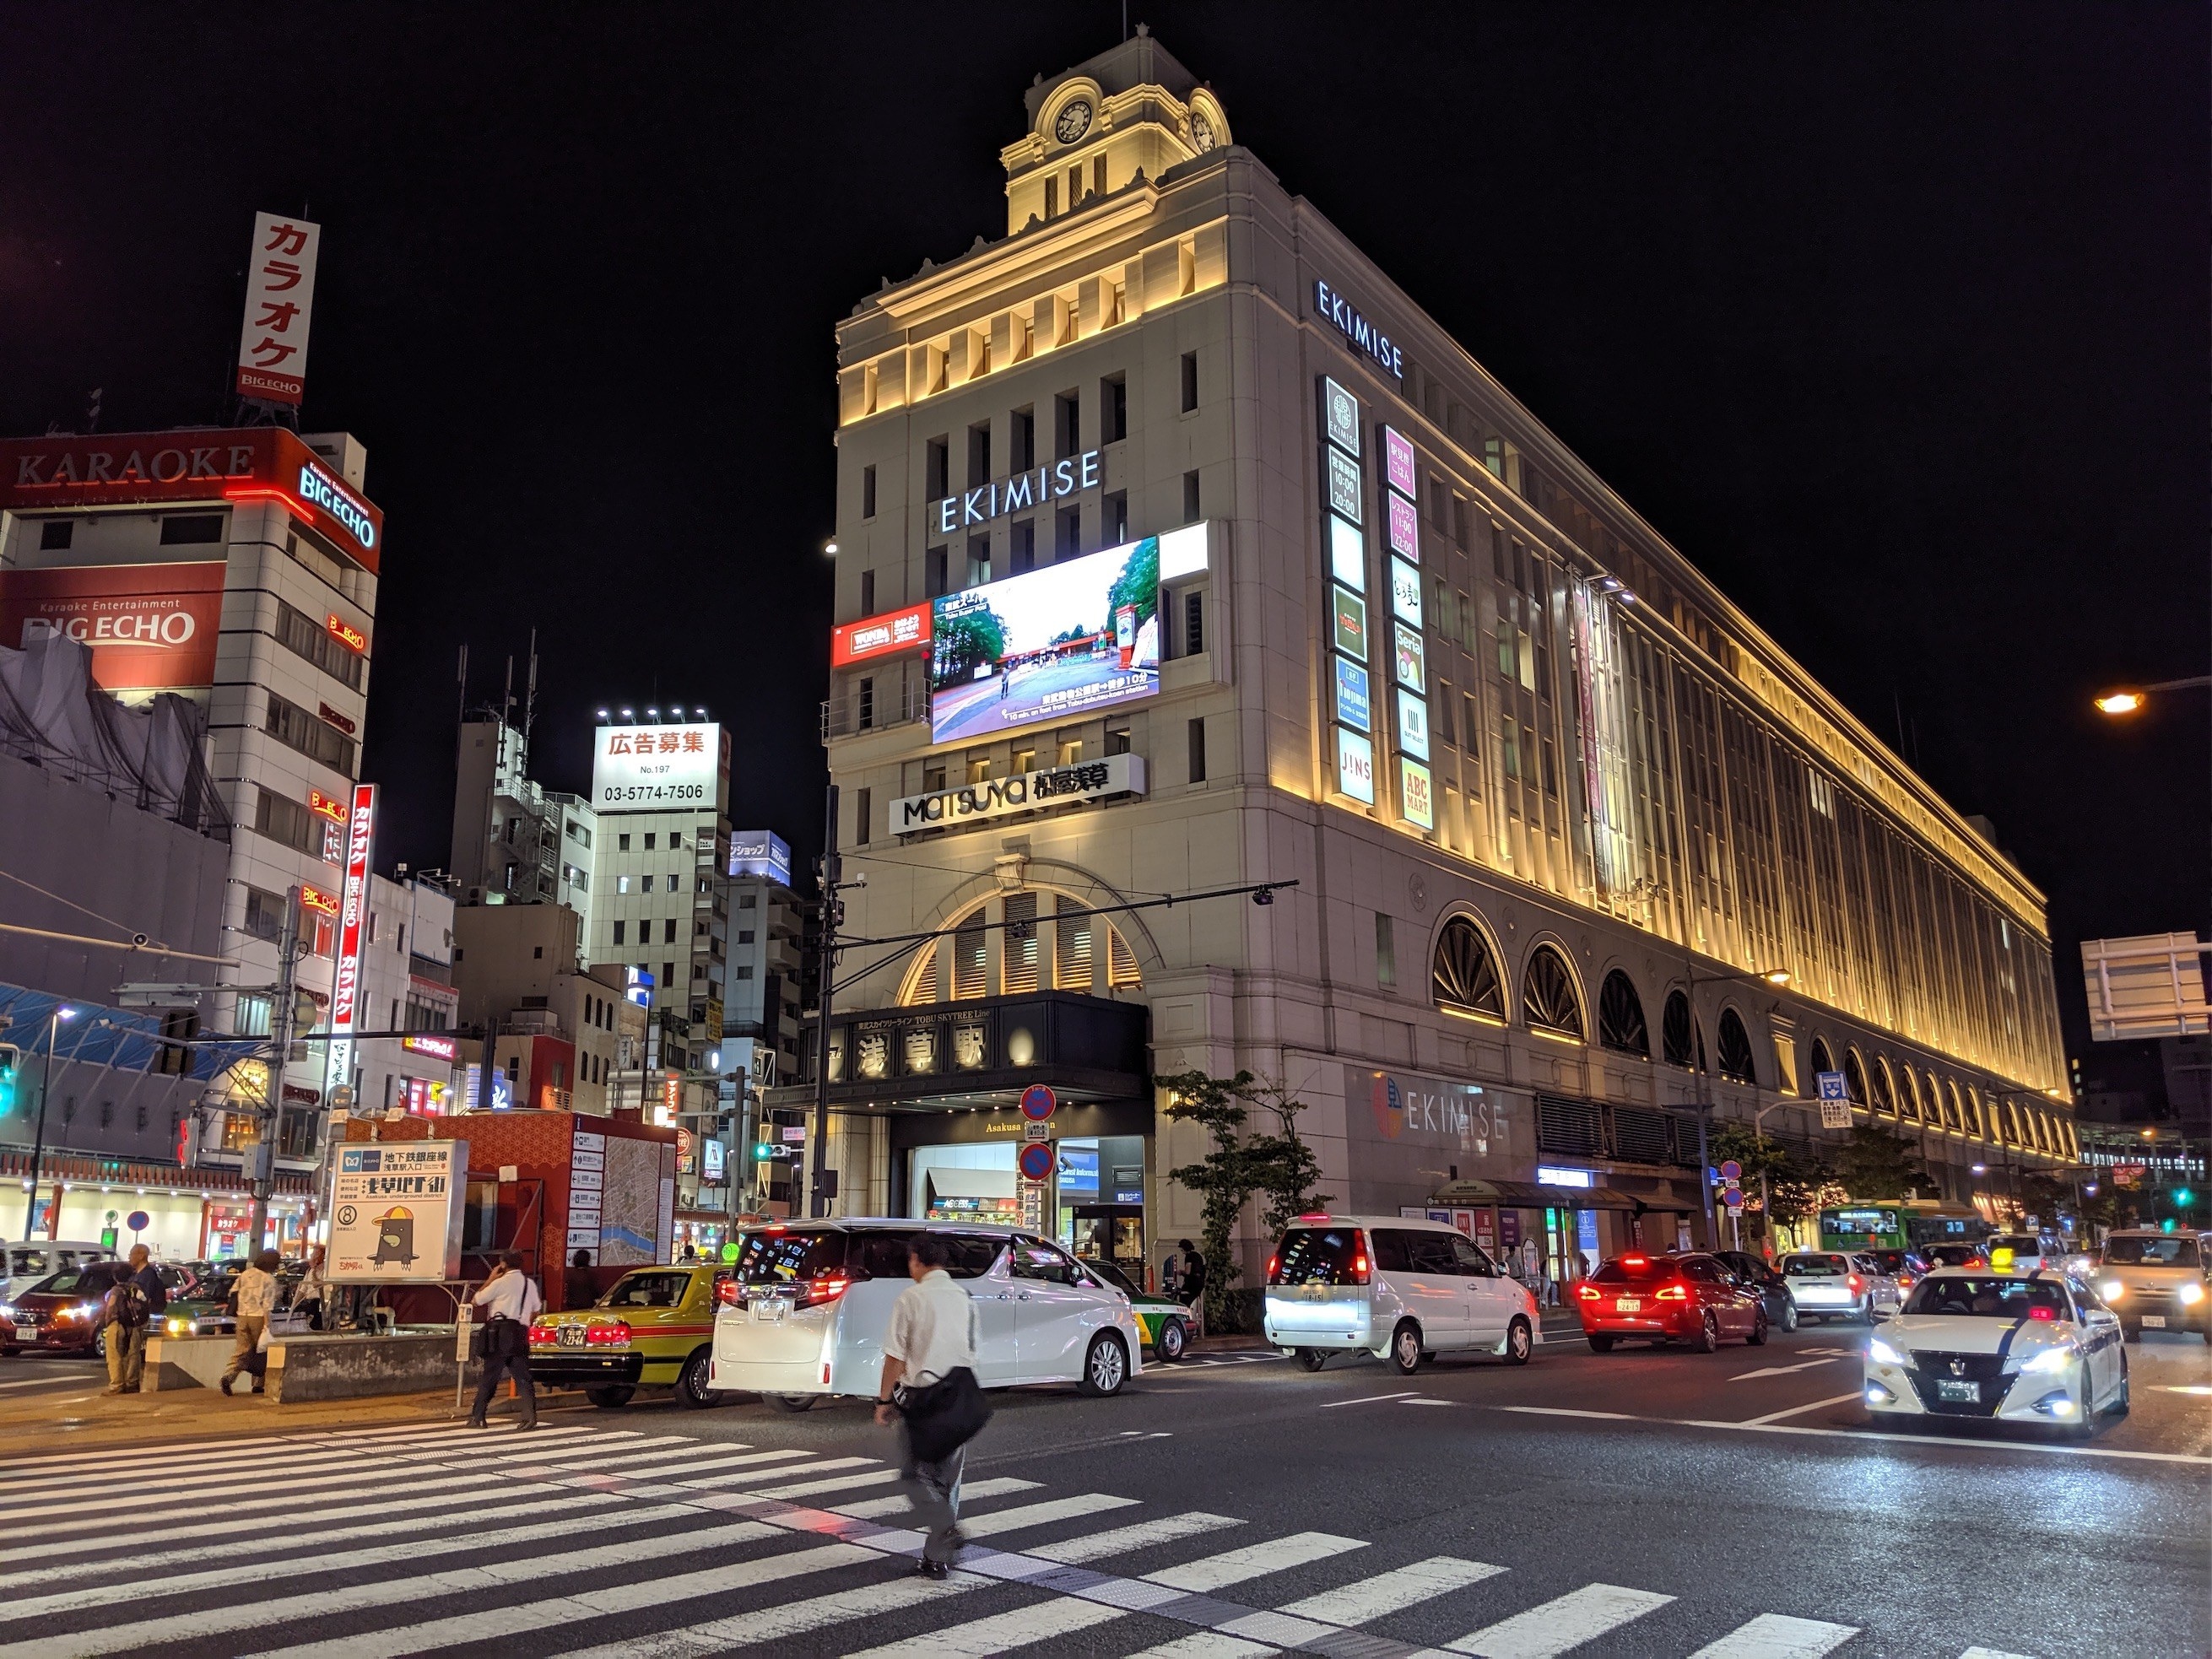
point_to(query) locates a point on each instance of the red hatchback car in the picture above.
(1690, 1297)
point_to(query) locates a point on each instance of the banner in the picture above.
(280, 299)
(151, 626)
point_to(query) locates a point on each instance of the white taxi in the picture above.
(2022, 1347)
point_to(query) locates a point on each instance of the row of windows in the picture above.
(645, 931)
(300, 634)
(294, 728)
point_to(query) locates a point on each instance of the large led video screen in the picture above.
(1055, 644)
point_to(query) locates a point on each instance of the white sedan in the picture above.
(2021, 1347)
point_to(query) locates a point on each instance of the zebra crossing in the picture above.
(602, 1543)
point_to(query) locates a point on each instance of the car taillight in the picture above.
(1274, 1270)
(541, 1335)
(1671, 1293)
(729, 1292)
(1856, 1283)
(827, 1287)
(614, 1335)
(1359, 1268)
(1588, 1293)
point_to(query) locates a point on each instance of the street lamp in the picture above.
(2126, 702)
(61, 1011)
(1774, 976)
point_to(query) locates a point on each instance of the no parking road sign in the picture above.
(1036, 1160)
(1038, 1103)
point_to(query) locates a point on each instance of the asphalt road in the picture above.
(1640, 1503)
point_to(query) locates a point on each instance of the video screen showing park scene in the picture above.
(1048, 645)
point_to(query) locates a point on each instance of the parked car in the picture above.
(654, 1328)
(2024, 1347)
(1832, 1285)
(1757, 1274)
(804, 1315)
(2155, 1280)
(61, 1312)
(1676, 1298)
(1907, 1267)
(36, 1259)
(1398, 1288)
(200, 1304)
(1165, 1322)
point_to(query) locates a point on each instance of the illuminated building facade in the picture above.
(1552, 803)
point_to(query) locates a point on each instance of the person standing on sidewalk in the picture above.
(510, 1300)
(133, 1305)
(1193, 1294)
(929, 1368)
(255, 1294)
(313, 1294)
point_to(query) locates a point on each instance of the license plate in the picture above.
(1970, 1392)
(1316, 1292)
(27, 1333)
(572, 1336)
(1629, 1303)
(2153, 1322)
(770, 1310)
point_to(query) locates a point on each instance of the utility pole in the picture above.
(828, 872)
(61, 1011)
(282, 1020)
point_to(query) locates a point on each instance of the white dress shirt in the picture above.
(932, 1328)
(513, 1295)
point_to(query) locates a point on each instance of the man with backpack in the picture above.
(134, 1301)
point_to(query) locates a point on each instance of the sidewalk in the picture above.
(44, 1422)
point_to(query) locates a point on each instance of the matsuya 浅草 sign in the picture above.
(251, 464)
(151, 626)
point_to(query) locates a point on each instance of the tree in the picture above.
(1285, 1168)
(1796, 1183)
(968, 639)
(1138, 584)
(1873, 1163)
(1225, 1178)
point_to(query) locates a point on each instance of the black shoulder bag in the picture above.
(944, 1416)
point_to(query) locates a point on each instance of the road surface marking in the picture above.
(1799, 1411)
(1424, 1400)
(1254, 1560)
(1370, 1598)
(193, 1452)
(1991, 1653)
(295, 1511)
(842, 1482)
(1000, 1632)
(1142, 1536)
(1557, 1626)
(1038, 1515)
(789, 1619)
(1783, 1370)
(1207, 1644)
(1923, 1440)
(1774, 1636)
(1569, 1410)
(1369, 1399)
(875, 1509)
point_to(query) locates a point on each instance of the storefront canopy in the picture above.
(972, 1184)
(1532, 1195)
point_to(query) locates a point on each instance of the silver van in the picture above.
(35, 1259)
(1395, 1287)
(803, 1312)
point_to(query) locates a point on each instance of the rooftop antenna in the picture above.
(530, 697)
(461, 675)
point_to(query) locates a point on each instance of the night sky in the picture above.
(1893, 319)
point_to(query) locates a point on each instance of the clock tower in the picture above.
(1096, 128)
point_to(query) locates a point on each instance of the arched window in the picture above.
(1885, 1098)
(1680, 1041)
(1621, 1017)
(1736, 1063)
(1465, 975)
(1822, 1059)
(1964, 1110)
(1855, 1082)
(1931, 1099)
(1908, 1095)
(1548, 1001)
(1086, 952)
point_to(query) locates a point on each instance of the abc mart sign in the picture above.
(1031, 791)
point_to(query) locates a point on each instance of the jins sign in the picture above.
(1034, 487)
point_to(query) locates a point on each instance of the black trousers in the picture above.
(506, 1352)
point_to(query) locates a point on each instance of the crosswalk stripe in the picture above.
(1213, 1572)
(1991, 1653)
(193, 1624)
(189, 1450)
(1559, 1624)
(998, 1633)
(85, 1597)
(1370, 1598)
(746, 1476)
(1123, 1539)
(1207, 1644)
(224, 1541)
(295, 1511)
(875, 1509)
(787, 1620)
(791, 1457)
(843, 1483)
(502, 1623)
(1777, 1636)
(293, 1447)
(1038, 1515)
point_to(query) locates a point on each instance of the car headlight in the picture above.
(2112, 1289)
(2051, 1359)
(7, 1310)
(2191, 1294)
(1881, 1353)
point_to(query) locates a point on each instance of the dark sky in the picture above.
(1892, 318)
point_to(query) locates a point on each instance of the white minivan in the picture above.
(803, 1312)
(35, 1259)
(1395, 1287)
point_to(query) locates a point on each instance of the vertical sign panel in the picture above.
(280, 298)
(353, 929)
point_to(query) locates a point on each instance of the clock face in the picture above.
(1073, 122)
(1201, 133)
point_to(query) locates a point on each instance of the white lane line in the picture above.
(1559, 1624)
(843, 1483)
(1775, 1636)
(192, 1449)
(1001, 1632)
(1799, 1411)
(500, 1624)
(1991, 1653)
(291, 1449)
(1782, 1370)
(1213, 1572)
(294, 1513)
(225, 1542)
(1370, 1598)
(1142, 1536)
(819, 1466)
(875, 1509)
(1953, 1443)
(85, 1597)
(1038, 1515)
(46, 1383)
(700, 1466)
(491, 1577)
(1207, 1644)
(1569, 1410)
(1370, 1400)
(787, 1620)
(1423, 1399)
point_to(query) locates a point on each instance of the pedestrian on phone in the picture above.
(510, 1300)
(929, 1388)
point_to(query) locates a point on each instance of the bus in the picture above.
(1899, 1225)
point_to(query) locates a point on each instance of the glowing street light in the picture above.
(2121, 703)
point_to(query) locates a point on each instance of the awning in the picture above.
(971, 1183)
(1532, 1195)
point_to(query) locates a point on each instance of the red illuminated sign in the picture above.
(315, 899)
(880, 636)
(346, 634)
(151, 626)
(438, 1048)
(264, 463)
(343, 722)
(353, 924)
(329, 806)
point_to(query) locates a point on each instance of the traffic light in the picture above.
(12, 1070)
(2182, 1197)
